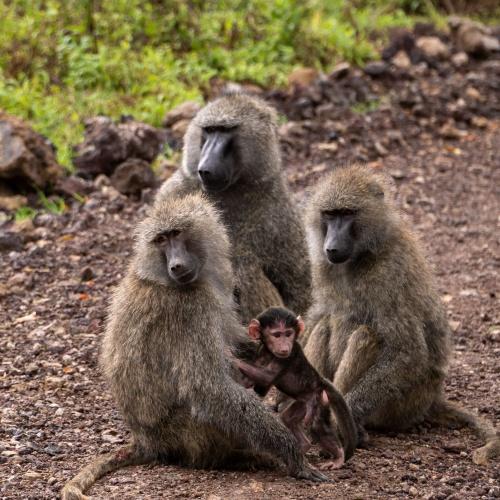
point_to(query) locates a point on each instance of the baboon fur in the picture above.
(377, 327)
(163, 357)
(270, 257)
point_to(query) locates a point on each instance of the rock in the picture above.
(24, 226)
(165, 170)
(101, 180)
(473, 37)
(32, 475)
(340, 71)
(107, 144)
(473, 93)
(87, 274)
(448, 131)
(73, 185)
(27, 158)
(302, 77)
(330, 147)
(413, 491)
(380, 148)
(12, 203)
(433, 47)
(377, 69)
(459, 59)
(401, 60)
(179, 129)
(479, 121)
(10, 241)
(17, 279)
(59, 412)
(453, 447)
(132, 176)
(185, 111)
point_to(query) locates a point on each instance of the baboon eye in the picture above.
(161, 238)
(218, 128)
(339, 212)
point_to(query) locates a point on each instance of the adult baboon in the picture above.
(231, 152)
(170, 322)
(377, 326)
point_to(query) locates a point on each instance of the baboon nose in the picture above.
(205, 174)
(176, 268)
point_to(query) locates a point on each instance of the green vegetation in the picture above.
(53, 205)
(24, 213)
(62, 61)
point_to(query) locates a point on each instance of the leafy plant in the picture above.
(64, 60)
(54, 204)
(24, 213)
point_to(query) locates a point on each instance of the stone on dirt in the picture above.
(433, 47)
(132, 176)
(27, 159)
(107, 144)
(12, 203)
(473, 37)
(302, 77)
(184, 111)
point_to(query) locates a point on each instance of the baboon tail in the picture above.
(344, 418)
(447, 414)
(124, 456)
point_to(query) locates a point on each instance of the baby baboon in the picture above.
(377, 326)
(170, 322)
(231, 152)
(281, 362)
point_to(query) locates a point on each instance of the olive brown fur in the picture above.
(377, 327)
(270, 257)
(163, 357)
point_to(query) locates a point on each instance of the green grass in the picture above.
(24, 213)
(54, 204)
(62, 61)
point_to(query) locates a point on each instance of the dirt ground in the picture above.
(436, 132)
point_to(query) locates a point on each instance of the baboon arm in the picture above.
(317, 347)
(236, 413)
(387, 381)
(258, 374)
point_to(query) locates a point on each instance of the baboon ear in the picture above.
(254, 329)
(300, 325)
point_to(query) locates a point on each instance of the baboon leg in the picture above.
(362, 350)
(293, 417)
(248, 460)
(324, 432)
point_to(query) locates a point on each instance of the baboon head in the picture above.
(348, 215)
(181, 242)
(232, 139)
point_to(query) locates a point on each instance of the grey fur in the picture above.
(163, 356)
(377, 327)
(269, 253)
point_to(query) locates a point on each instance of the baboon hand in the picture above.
(309, 473)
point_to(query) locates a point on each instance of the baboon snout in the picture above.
(338, 245)
(214, 167)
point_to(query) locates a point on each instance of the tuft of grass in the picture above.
(54, 204)
(24, 213)
(364, 107)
